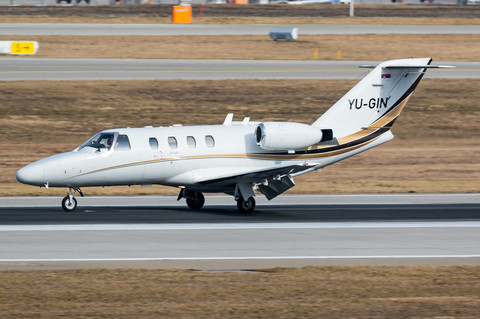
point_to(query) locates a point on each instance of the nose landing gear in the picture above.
(69, 203)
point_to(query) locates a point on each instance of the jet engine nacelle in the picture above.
(286, 135)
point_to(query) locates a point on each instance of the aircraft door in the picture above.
(154, 165)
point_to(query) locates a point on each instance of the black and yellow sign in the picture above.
(22, 48)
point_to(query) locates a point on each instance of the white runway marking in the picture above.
(239, 258)
(237, 226)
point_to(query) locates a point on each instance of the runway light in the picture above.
(411, 57)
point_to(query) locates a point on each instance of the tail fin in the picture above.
(373, 105)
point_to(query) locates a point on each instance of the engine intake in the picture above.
(286, 135)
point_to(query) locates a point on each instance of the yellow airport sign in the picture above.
(22, 48)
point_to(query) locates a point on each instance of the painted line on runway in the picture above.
(238, 258)
(240, 226)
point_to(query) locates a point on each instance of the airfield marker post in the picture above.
(315, 54)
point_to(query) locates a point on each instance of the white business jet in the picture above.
(236, 158)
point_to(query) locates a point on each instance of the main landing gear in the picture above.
(69, 203)
(196, 200)
(246, 206)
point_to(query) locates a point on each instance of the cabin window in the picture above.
(172, 142)
(210, 141)
(123, 144)
(153, 143)
(191, 142)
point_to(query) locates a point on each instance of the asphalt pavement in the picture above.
(21, 69)
(296, 230)
(26, 29)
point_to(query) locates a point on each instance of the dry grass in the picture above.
(369, 47)
(244, 20)
(310, 292)
(436, 148)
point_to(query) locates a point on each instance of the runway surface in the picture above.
(25, 29)
(299, 230)
(21, 69)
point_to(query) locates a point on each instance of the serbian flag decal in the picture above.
(386, 76)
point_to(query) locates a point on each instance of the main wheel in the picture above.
(69, 205)
(196, 202)
(246, 206)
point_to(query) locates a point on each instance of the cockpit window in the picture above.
(123, 144)
(100, 141)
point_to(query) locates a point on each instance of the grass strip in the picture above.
(309, 292)
(364, 47)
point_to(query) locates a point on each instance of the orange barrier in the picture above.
(182, 14)
(241, 1)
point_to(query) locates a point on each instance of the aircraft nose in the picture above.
(31, 174)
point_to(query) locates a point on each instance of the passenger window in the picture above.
(123, 144)
(210, 141)
(153, 143)
(191, 142)
(172, 142)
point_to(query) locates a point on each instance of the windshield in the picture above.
(101, 141)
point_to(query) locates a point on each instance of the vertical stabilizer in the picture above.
(376, 101)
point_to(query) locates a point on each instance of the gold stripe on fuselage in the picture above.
(256, 156)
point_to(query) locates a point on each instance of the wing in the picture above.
(271, 182)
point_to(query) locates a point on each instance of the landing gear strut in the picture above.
(69, 203)
(246, 206)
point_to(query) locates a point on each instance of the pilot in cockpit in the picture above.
(109, 142)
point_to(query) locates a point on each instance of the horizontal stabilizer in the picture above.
(410, 67)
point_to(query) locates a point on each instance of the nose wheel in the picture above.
(69, 203)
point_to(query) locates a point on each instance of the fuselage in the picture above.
(179, 156)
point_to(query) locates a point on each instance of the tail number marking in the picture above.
(372, 103)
